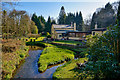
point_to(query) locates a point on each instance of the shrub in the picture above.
(48, 35)
(103, 56)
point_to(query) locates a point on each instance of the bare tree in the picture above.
(87, 23)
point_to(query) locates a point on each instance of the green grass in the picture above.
(77, 50)
(53, 55)
(68, 42)
(69, 69)
(36, 44)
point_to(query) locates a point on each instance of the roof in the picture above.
(99, 29)
(62, 26)
(62, 31)
(79, 32)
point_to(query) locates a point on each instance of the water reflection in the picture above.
(30, 68)
(33, 48)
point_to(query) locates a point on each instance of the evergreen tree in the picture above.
(53, 22)
(48, 25)
(37, 22)
(62, 16)
(108, 6)
(79, 21)
(118, 15)
(42, 22)
(70, 18)
(93, 21)
(104, 17)
(42, 19)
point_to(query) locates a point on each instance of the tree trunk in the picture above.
(118, 51)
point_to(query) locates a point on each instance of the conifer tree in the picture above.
(62, 16)
(118, 15)
(48, 25)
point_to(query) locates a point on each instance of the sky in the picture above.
(52, 7)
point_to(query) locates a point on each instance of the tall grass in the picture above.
(11, 59)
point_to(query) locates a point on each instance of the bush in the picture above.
(48, 35)
(103, 56)
(83, 54)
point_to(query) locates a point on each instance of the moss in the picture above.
(53, 55)
(68, 70)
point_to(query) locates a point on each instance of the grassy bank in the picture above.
(78, 51)
(53, 55)
(68, 42)
(69, 70)
(35, 44)
(13, 52)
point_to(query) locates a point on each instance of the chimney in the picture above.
(74, 26)
(71, 24)
(96, 26)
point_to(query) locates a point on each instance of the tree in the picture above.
(118, 15)
(37, 21)
(70, 18)
(93, 20)
(42, 22)
(16, 24)
(53, 22)
(108, 6)
(118, 40)
(48, 25)
(62, 16)
(79, 21)
(103, 56)
(87, 23)
(104, 17)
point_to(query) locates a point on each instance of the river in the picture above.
(29, 69)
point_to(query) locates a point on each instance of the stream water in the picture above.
(29, 69)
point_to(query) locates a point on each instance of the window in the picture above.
(60, 35)
(63, 34)
(93, 33)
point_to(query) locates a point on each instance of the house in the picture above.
(99, 31)
(77, 35)
(60, 31)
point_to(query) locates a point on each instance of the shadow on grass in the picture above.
(37, 43)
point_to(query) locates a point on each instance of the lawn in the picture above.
(53, 55)
(68, 42)
(69, 70)
(77, 50)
